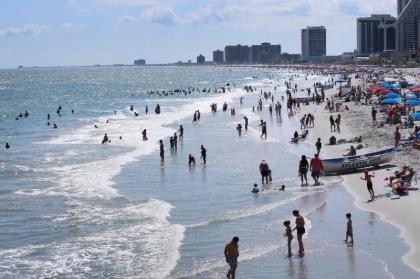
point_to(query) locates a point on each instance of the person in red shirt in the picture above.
(316, 167)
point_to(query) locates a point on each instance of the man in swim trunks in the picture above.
(231, 255)
(369, 184)
(316, 167)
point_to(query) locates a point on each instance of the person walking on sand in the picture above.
(300, 230)
(289, 235)
(332, 124)
(349, 231)
(369, 184)
(316, 167)
(303, 169)
(203, 154)
(231, 255)
(374, 112)
(338, 122)
(318, 145)
(397, 137)
(264, 170)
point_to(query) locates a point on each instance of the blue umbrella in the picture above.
(412, 103)
(411, 96)
(391, 96)
(390, 101)
(416, 116)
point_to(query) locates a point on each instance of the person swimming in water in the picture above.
(105, 139)
(55, 126)
(7, 147)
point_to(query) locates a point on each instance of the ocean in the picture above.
(71, 207)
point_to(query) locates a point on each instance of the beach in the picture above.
(74, 207)
(357, 122)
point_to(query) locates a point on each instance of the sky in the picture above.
(88, 32)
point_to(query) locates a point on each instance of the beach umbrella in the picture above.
(390, 101)
(412, 103)
(411, 96)
(416, 116)
(415, 89)
(384, 91)
(391, 96)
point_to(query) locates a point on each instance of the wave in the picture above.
(247, 212)
(132, 239)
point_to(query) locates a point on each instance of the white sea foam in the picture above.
(94, 179)
(133, 239)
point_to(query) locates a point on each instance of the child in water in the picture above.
(289, 235)
(255, 190)
(349, 231)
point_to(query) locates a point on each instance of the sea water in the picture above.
(71, 207)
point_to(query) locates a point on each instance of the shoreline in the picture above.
(394, 214)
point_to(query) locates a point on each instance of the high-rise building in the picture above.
(237, 54)
(265, 53)
(314, 42)
(408, 25)
(201, 59)
(376, 34)
(401, 5)
(218, 56)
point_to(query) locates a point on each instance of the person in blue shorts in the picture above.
(231, 255)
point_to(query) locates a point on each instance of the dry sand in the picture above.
(357, 122)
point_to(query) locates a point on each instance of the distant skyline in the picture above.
(88, 32)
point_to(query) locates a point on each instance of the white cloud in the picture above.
(160, 14)
(70, 25)
(130, 2)
(30, 28)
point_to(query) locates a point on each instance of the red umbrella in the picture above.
(415, 89)
(384, 91)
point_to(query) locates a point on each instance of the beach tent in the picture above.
(412, 103)
(391, 96)
(411, 96)
(416, 116)
(390, 101)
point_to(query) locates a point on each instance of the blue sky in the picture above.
(87, 32)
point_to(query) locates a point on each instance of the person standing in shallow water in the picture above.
(231, 255)
(300, 230)
(264, 170)
(175, 141)
(181, 132)
(289, 236)
(203, 154)
(303, 169)
(162, 150)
